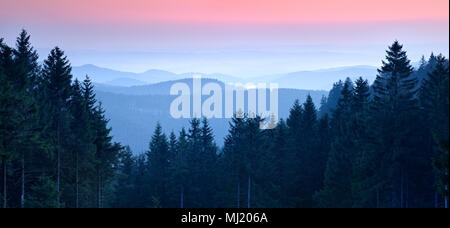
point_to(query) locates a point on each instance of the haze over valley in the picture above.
(135, 102)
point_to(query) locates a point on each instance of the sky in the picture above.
(239, 37)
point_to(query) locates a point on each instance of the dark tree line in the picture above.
(55, 146)
(379, 145)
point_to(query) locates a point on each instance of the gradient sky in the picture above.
(240, 37)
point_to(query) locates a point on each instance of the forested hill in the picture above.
(134, 111)
(367, 145)
(379, 145)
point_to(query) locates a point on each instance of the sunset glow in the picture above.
(236, 11)
(90, 30)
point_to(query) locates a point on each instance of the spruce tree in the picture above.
(193, 162)
(82, 143)
(323, 109)
(295, 143)
(15, 124)
(172, 184)
(434, 95)
(26, 58)
(44, 194)
(56, 80)
(333, 98)
(322, 149)
(361, 95)
(309, 174)
(234, 162)
(337, 190)
(106, 154)
(182, 171)
(295, 117)
(393, 111)
(158, 158)
(208, 157)
(7, 118)
(25, 83)
(282, 159)
(88, 94)
(173, 147)
(357, 121)
(125, 188)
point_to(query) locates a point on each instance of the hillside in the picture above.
(134, 111)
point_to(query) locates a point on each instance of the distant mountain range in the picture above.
(134, 111)
(312, 80)
(120, 78)
(319, 79)
(135, 102)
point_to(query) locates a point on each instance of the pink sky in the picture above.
(363, 27)
(260, 11)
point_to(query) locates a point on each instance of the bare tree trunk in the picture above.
(101, 191)
(4, 181)
(378, 198)
(99, 200)
(22, 196)
(59, 176)
(181, 196)
(59, 161)
(76, 181)
(446, 199)
(393, 197)
(407, 190)
(446, 191)
(436, 204)
(238, 195)
(181, 181)
(401, 191)
(248, 191)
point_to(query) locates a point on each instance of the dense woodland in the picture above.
(380, 145)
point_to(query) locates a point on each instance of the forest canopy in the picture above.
(368, 145)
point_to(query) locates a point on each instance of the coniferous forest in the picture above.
(379, 145)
